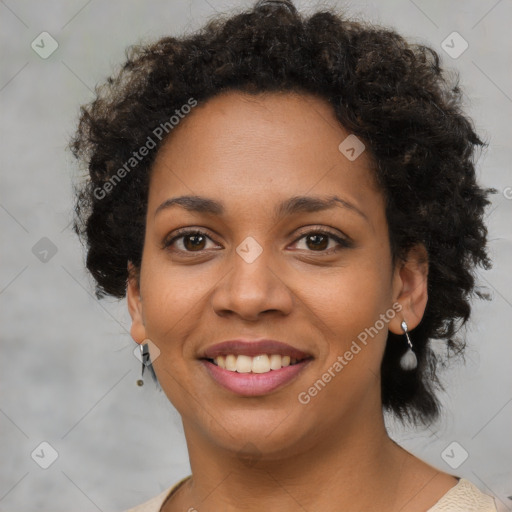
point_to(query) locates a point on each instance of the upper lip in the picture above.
(252, 349)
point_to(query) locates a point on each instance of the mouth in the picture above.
(254, 368)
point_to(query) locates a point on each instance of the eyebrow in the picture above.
(293, 205)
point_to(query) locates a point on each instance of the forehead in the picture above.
(237, 145)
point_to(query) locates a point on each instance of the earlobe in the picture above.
(137, 330)
(410, 287)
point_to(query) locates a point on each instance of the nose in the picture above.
(252, 287)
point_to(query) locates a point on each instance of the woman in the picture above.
(290, 206)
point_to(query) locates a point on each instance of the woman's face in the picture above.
(259, 270)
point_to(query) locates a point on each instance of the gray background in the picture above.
(68, 374)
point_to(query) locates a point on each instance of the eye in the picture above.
(317, 240)
(192, 240)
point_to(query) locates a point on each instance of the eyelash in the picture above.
(181, 233)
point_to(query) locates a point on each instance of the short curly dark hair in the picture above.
(390, 93)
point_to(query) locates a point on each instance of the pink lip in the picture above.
(252, 349)
(253, 384)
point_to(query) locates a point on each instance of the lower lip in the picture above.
(254, 384)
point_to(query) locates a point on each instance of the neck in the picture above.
(346, 466)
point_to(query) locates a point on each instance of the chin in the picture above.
(258, 432)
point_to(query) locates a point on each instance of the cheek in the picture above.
(171, 301)
(172, 311)
(350, 305)
(349, 309)
(354, 294)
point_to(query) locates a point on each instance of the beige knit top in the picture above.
(463, 497)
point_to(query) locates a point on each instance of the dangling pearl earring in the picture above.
(408, 361)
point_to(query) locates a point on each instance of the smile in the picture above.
(263, 363)
(253, 367)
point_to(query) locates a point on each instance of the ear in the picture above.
(137, 330)
(410, 288)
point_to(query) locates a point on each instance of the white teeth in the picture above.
(275, 362)
(243, 364)
(259, 364)
(230, 363)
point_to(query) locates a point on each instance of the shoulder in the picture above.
(464, 497)
(155, 503)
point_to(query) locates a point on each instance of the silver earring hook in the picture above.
(408, 361)
(406, 329)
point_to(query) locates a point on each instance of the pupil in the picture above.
(323, 246)
(196, 245)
